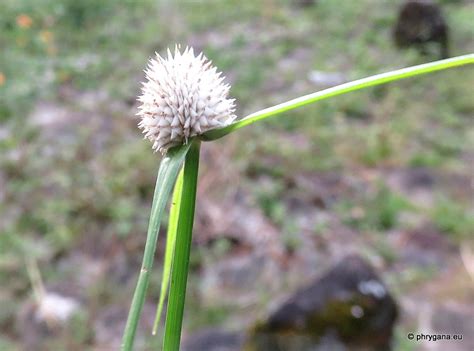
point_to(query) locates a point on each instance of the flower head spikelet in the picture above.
(183, 96)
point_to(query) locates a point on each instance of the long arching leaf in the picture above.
(339, 90)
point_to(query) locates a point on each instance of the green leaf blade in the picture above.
(170, 245)
(339, 90)
(167, 173)
(180, 266)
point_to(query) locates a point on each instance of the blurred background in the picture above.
(343, 225)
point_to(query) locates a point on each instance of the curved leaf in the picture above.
(339, 90)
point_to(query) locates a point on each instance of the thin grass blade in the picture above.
(170, 244)
(167, 173)
(339, 90)
(179, 272)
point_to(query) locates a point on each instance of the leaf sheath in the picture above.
(179, 272)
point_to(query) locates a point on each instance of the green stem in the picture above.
(167, 173)
(179, 272)
(170, 244)
(339, 90)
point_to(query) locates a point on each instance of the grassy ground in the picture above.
(76, 178)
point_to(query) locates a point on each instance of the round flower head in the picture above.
(183, 96)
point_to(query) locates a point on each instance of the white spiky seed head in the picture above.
(183, 96)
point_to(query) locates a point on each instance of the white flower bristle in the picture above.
(183, 96)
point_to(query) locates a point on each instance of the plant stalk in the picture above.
(180, 266)
(170, 245)
(167, 173)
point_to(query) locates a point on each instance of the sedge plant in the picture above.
(184, 102)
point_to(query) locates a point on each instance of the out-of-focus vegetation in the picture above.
(76, 178)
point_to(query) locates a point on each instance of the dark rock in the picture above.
(349, 303)
(419, 23)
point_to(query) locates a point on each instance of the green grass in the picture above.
(377, 210)
(452, 218)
